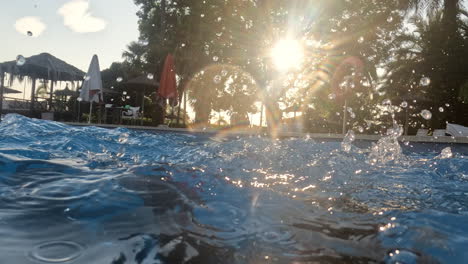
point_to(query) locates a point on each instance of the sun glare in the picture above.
(287, 54)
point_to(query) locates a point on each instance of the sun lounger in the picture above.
(457, 130)
(439, 133)
(422, 132)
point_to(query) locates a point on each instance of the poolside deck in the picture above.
(318, 136)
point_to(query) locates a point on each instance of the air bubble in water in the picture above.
(119, 79)
(215, 58)
(150, 76)
(217, 79)
(447, 105)
(441, 109)
(360, 39)
(425, 81)
(360, 129)
(29, 33)
(224, 73)
(404, 104)
(20, 60)
(389, 19)
(426, 114)
(332, 96)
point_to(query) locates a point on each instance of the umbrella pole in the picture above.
(178, 110)
(90, 111)
(51, 94)
(33, 95)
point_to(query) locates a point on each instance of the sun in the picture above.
(287, 54)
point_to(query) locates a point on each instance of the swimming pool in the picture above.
(94, 195)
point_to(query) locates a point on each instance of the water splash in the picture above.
(228, 200)
(347, 141)
(446, 153)
(387, 148)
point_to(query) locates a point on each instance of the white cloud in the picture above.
(31, 24)
(77, 17)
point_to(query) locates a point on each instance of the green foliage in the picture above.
(223, 60)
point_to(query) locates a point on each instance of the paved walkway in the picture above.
(462, 140)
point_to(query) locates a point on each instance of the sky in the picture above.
(72, 30)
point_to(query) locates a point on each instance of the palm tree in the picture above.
(135, 55)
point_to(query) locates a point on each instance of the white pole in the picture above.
(90, 111)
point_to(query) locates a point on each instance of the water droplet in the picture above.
(404, 104)
(123, 138)
(360, 39)
(389, 19)
(426, 114)
(215, 58)
(387, 102)
(425, 81)
(150, 76)
(441, 109)
(29, 33)
(119, 79)
(446, 153)
(217, 79)
(20, 60)
(332, 96)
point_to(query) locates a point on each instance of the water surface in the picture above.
(94, 195)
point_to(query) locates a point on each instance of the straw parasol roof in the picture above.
(7, 90)
(43, 66)
(141, 81)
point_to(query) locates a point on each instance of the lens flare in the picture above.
(287, 54)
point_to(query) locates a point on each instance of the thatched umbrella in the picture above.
(42, 66)
(139, 85)
(7, 90)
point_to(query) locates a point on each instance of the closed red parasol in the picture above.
(167, 85)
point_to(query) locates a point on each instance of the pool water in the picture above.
(94, 195)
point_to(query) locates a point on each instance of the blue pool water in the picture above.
(93, 195)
